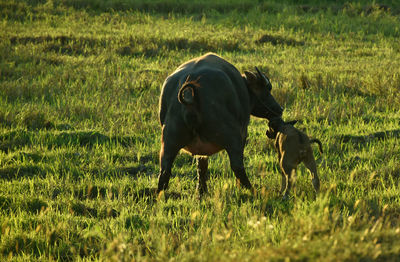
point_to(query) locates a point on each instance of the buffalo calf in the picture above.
(293, 147)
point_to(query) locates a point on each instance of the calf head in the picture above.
(264, 104)
(276, 125)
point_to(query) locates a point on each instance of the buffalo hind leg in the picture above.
(172, 141)
(202, 172)
(167, 157)
(312, 166)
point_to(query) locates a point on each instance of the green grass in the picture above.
(79, 131)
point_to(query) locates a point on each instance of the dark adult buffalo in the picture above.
(205, 106)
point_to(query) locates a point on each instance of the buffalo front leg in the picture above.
(236, 161)
(202, 172)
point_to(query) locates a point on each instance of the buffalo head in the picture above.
(263, 103)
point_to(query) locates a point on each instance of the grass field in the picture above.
(79, 131)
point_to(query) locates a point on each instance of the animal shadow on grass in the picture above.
(150, 195)
(269, 203)
(278, 40)
(33, 206)
(140, 47)
(35, 170)
(94, 192)
(16, 172)
(363, 139)
(16, 139)
(78, 208)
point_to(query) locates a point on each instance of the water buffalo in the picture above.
(205, 106)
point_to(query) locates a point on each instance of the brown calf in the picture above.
(294, 147)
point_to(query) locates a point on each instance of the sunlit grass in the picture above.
(79, 131)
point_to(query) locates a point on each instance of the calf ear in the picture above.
(292, 122)
(270, 133)
(250, 77)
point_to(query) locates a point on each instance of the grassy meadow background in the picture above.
(79, 131)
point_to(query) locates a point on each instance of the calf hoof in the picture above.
(202, 196)
(246, 184)
(159, 189)
(203, 191)
(286, 197)
(253, 191)
(316, 185)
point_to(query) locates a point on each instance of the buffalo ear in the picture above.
(265, 79)
(251, 78)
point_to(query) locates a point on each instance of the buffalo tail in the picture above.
(319, 144)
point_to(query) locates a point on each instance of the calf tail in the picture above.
(319, 144)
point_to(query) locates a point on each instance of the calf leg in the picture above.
(309, 162)
(284, 182)
(202, 168)
(287, 168)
